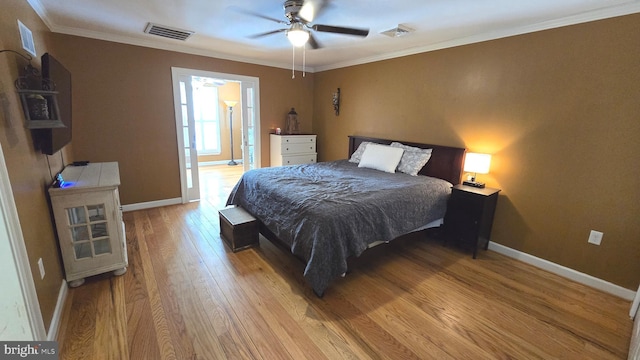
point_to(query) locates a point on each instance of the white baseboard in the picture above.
(52, 334)
(151, 204)
(563, 271)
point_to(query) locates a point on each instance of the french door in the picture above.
(250, 134)
(188, 149)
(185, 125)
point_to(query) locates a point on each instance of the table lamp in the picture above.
(476, 163)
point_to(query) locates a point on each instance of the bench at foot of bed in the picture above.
(238, 229)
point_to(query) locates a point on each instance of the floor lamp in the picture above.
(231, 104)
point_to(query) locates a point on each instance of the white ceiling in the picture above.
(223, 33)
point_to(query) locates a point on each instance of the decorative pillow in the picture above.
(357, 155)
(381, 157)
(413, 158)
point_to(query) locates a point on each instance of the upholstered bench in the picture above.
(238, 229)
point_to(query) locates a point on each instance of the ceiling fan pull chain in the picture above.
(293, 63)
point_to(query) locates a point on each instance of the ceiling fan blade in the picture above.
(311, 9)
(267, 33)
(313, 43)
(341, 30)
(249, 12)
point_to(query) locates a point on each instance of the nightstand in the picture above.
(469, 216)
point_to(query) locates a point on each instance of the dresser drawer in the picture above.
(299, 159)
(297, 139)
(297, 148)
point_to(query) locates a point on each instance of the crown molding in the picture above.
(36, 5)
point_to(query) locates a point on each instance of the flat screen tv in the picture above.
(52, 140)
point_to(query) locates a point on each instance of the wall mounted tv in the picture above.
(52, 140)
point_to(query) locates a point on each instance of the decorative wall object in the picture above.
(38, 97)
(336, 102)
(292, 125)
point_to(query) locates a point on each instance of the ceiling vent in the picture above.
(400, 30)
(168, 32)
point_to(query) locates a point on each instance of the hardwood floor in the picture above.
(186, 296)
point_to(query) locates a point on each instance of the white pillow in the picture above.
(357, 155)
(381, 157)
(413, 158)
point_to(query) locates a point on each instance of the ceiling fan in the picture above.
(300, 15)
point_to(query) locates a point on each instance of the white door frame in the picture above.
(250, 87)
(23, 319)
(189, 193)
(176, 72)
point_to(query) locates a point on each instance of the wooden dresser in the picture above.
(293, 149)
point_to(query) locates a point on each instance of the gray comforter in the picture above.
(329, 211)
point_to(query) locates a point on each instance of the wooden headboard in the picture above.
(445, 163)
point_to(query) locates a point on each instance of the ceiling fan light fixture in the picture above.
(297, 35)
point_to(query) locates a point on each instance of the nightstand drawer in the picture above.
(467, 204)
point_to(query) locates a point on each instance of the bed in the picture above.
(327, 212)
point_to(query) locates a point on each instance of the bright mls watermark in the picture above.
(39, 350)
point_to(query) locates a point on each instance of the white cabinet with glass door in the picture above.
(89, 222)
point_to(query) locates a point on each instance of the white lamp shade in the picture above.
(230, 103)
(297, 35)
(477, 163)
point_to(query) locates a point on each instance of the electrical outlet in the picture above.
(41, 267)
(595, 237)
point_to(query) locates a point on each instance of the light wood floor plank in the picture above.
(139, 310)
(168, 319)
(81, 325)
(187, 296)
(110, 337)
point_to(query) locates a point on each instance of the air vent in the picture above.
(400, 30)
(168, 32)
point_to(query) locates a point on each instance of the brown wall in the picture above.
(560, 112)
(29, 170)
(123, 108)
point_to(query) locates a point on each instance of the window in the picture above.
(206, 116)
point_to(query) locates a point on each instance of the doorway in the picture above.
(217, 123)
(20, 316)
